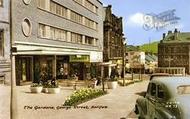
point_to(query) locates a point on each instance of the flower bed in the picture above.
(83, 95)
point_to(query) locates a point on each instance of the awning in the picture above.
(52, 52)
(107, 64)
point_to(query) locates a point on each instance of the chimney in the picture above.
(169, 32)
(175, 34)
(164, 35)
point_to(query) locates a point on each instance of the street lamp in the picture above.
(123, 59)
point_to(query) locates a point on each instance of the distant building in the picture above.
(113, 39)
(139, 60)
(151, 62)
(135, 60)
(174, 50)
(5, 62)
(60, 37)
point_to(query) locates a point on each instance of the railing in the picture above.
(171, 70)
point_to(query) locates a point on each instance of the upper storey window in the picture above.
(1, 43)
(76, 17)
(58, 9)
(41, 3)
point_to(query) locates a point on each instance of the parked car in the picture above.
(159, 75)
(166, 98)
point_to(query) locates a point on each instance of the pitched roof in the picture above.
(181, 37)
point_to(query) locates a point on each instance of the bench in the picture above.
(89, 84)
(2, 77)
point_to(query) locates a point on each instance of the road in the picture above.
(5, 92)
(117, 104)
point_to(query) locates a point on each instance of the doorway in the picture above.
(23, 70)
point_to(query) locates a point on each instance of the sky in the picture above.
(134, 13)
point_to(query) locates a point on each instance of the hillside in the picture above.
(152, 47)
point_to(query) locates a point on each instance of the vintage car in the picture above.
(159, 75)
(166, 98)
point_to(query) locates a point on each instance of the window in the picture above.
(52, 7)
(63, 35)
(89, 40)
(1, 3)
(76, 38)
(89, 23)
(54, 33)
(153, 89)
(89, 5)
(41, 3)
(64, 12)
(183, 89)
(52, 30)
(58, 9)
(79, 1)
(42, 31)
(96, 10)
(1, 43)
(57, 34)
(96, 42)
(160, 92)
(76, 17)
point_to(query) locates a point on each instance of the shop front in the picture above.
(30, 63)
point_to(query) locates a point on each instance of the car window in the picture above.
(184, 89)
(161, 93)
(153, 89)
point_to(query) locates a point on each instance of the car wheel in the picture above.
(136, 110)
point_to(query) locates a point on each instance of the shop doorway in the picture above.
(23, 70)
(77, 69)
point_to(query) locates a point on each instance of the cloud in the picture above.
(135, 19)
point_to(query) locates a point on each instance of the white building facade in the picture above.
(49, 35)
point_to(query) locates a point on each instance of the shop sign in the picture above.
(79, 58)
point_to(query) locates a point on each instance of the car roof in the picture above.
(158, 74)
(172, 82)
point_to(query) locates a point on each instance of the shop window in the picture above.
(1, 42)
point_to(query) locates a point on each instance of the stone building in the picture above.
(5, 65)
(60, 37)
(113, 39)
(174, 50)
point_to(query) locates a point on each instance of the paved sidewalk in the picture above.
(115, 105)
(5, 93)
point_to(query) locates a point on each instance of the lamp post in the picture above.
(123, 60)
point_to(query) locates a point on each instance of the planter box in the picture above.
(45, 90)
(112, 84)
(36, 89)
(53, 90)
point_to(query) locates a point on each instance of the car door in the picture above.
(151, 101)
(161, 99)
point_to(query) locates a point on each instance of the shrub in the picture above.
(36, 85)
(83, 95)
